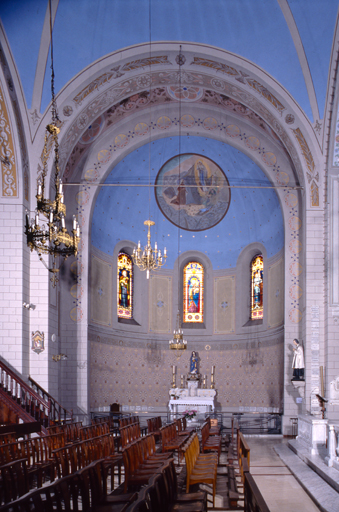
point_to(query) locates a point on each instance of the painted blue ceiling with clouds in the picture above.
(254, 214)
(260, 31)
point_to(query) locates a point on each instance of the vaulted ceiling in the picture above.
(290, 39)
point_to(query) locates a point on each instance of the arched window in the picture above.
(125, 286)
(257, 299)
(193, 292)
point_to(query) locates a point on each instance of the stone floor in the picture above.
(279, 488)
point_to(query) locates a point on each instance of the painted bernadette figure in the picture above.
(194, 363)
(298, 363)
(124, 286)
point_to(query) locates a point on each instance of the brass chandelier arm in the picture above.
(52, 238)
(147, 258)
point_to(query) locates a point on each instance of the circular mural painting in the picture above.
(194, 195)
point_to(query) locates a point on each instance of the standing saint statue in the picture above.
(298, 363)
(194, 364)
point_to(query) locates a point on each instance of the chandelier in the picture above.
(51, 236)
(149, 259)
(178, 343)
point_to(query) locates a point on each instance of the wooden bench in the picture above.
(70, 429)
(153, 426)
(70, 459)
(200, 467)
(161, 495)
(233, 494)
(129, 434)
(14, 480)
(171, 441)
(40, 467)
(213, 426)
(210, 442)
(98, 429)
(127, 420)
(140, 461)
(83, 491)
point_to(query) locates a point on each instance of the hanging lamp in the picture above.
(47, 233)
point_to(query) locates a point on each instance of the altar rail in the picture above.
(253, 423)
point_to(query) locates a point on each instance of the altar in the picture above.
(202, 401)
(192, 395)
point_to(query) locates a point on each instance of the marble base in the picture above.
(201, 400)
(312, 433)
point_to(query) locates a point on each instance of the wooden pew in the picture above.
(71, 458)
(39, 464)
(141, 462)
(200, 467)
(160, 494)
(129, 434)
(153, 426)
(83, 491)
(214, 429)
(171, 441)
(210, 442)
(14, 480)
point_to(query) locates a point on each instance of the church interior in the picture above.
(169, 211)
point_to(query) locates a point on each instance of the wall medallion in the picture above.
(195, 195)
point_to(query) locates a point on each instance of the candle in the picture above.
(74, 222)
(173, 369)
(322, 390)
(212, 372)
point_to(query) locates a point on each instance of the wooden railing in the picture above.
(254, 502)
(57, 412)
(22, 395)
(243, 451)
(253, 499)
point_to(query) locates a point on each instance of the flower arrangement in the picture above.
(190, 414)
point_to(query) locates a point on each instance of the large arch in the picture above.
(236, 103)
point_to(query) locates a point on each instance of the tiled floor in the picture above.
(279, 488)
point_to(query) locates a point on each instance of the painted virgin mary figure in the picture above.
(193, 295)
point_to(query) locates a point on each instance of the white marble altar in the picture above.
(191, 398)
(312, 433)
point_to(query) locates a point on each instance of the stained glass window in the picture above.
(193, 292)
(125, 286)
(257, 275)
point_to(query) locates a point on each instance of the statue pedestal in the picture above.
(202, 401)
